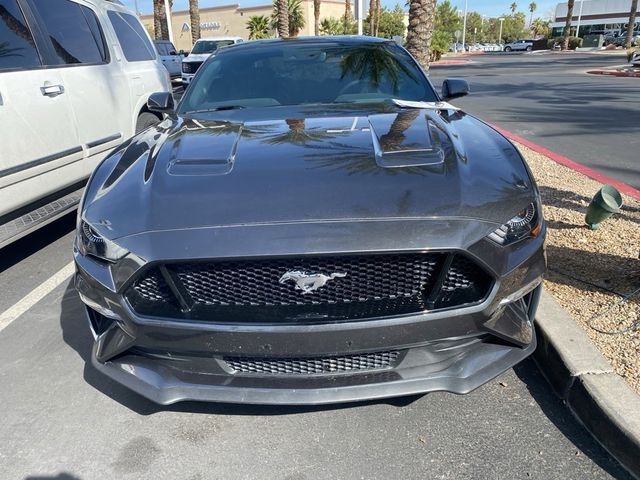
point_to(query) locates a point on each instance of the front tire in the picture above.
(507, 49)
(146, 120)
(529, 49)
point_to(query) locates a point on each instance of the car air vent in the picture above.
(339, 288)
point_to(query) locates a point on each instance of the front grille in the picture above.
(190, 67)
(361, 287)
(308, 366)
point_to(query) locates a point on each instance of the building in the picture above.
(231, 20)
(594, 15)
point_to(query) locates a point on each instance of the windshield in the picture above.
(210, 46)
(304, 74)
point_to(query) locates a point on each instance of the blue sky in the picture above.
(485, 7)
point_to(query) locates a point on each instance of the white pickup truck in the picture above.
(203, 49)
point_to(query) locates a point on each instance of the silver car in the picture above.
(519, 45)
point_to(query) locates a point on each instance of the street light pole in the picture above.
(360, 5)
(464, 27)
(135, 2)
(167, 16)
(579, 18)
(500, 35)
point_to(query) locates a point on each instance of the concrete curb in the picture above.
(614, 73)
(584, 379)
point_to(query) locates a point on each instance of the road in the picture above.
(63, 420)
(548, 99)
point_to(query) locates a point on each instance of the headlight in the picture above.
(90, 242)
(525, 224)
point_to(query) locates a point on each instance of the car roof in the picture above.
(218, 38)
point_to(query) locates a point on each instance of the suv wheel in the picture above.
(507, 49)
(529, 48)
(146, 120)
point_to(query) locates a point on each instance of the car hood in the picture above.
(282, 165)
(196, 57)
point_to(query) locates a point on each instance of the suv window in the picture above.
(17, 48)
(73, 30)
(133, 39)
(210, 46)
(162, 48)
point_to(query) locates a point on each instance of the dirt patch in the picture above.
(591, 272)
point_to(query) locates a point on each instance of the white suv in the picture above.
(203, 49)
(75, 76)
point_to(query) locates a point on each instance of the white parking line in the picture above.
(35, 296)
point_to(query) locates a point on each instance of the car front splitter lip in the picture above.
(149, 378)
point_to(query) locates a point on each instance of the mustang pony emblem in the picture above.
(309, 282)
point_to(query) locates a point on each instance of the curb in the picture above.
(598, 397)
(614, 73)
(572, 164)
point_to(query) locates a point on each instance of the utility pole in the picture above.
(464, 27)
(359, 8)
(500, 35)
(167, 16)
(579, 18)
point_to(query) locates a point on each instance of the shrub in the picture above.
(574, 42)
(439, 45)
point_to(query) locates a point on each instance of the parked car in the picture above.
(169, 57)
(621, 41)
(203, 49)
(634, 58)
(75, 77)
(519, 45)
(311, 224)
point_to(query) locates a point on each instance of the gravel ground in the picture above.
(591, 271)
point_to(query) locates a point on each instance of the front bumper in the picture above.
(455, 350)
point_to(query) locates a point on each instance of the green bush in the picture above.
(574, 42)
(439, 44)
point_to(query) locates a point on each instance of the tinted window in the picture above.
(73, 30)
(299, 74)
(162, 48)
(134, 41)
(210, 46)
(17, 49)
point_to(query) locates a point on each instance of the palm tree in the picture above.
(514, 7)
(316, 17)
(567, 26)
(632, 23)
(331, 26)
(373, 11)
(160, 20)
(421, 17)
(293, 14)
(532, 8)
(347, 16)
(258, 26)
(282, 17)
(194, 15)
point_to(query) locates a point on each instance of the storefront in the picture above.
(610, 16)
(231, 20)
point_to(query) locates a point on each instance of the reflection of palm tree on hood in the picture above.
(298, 134)
(395, 136)
(374, 64)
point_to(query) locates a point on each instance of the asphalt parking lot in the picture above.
(549, 99)
(63, 420)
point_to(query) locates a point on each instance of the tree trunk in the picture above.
(347, 16)
(378, 12)
(316, 17)
(421, 17)
(283, 18)
(567, 26)
(194, 15)
(632, 23)
(372, 20)
(158, 18)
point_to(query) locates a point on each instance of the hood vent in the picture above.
(405, 139)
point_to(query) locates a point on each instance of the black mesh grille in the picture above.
(366, 286)
(307, 366)
(190, 67)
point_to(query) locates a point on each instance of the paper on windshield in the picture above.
(429, 105)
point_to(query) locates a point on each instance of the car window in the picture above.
(17, 48)
(210, 46)
(73, 31)
(133, 39)
(302, 74)
(162, 48)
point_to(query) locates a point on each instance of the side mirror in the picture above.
(173, 52)
(454, 88)
(161, 102)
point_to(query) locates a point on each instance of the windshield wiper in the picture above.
(217, 109)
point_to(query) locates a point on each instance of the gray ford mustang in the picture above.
(312, 223)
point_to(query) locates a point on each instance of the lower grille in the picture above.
(308, 366)
(349, 287)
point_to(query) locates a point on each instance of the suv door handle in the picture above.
(52, 90)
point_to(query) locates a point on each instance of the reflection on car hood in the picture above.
(282, 165)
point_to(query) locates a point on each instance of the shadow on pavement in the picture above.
(555, 410)
(60, 476)
(76, 334)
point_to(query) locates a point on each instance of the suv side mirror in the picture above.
(161, 102)
(454, 88)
